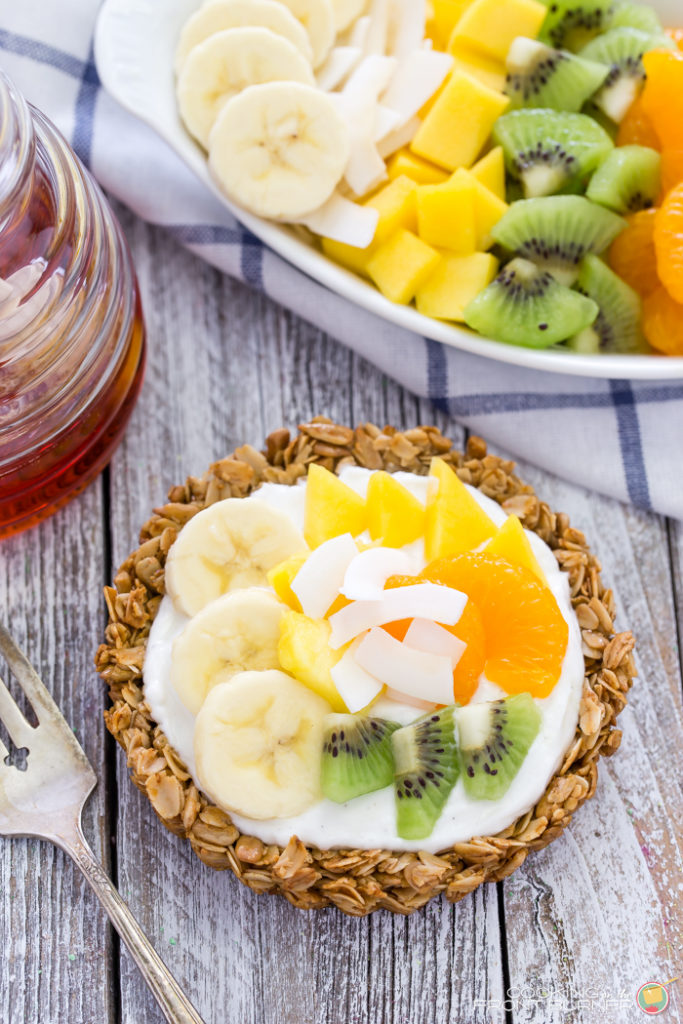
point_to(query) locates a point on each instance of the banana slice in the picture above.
(279, 149)
(258, 745)
(226, 546)
(227, 62)
(239, 631)
(317, 17)
(225, 14)
(346, 12)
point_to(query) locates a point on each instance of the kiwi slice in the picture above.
(621, 49)
(617, 325)
(494, 738)
(426, 769)
(556, 232)
(628, 180)
(357, 756)
(629, 15)
(539, 76)
(570, 24)
(548, 150)
(525, 305)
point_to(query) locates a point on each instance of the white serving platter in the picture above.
(135, 44)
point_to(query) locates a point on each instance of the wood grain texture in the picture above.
(234, 367)
(56, 943)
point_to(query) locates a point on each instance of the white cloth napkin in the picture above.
(619, 437)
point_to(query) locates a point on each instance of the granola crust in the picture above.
(357, 881)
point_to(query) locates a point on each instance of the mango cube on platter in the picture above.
(422, 172)
(490, 171)
(471, 106)
(446, 215)
(443, 17)
(488, 208)
(490, 26)
(396, 205)
(401, 264)
(455, 282)
(487, 70)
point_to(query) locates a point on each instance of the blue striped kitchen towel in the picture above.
(623, 438)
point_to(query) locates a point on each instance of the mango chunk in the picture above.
(455, 520)
(396, 205)
(490, 171)
(456, 128)
(394, 514)
(443, 17)
(331, 508)
(281, 576)
(512, 544)
(455, 282)
(304, 651)
(446, 215)
(490, 26)
(422, 172)
(401, 264)
(485, 69)
(488, 208)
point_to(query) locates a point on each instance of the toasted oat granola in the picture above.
(357, 881)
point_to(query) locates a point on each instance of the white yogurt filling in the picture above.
(369, 822)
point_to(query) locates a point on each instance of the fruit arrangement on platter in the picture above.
(345, 711)
(477, 158)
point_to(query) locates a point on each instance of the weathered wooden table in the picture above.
(570, 937)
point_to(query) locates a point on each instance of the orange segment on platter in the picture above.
(632, 255)
(671, 169)
(663, 323)
(668, 238)
(469, 628)
(526, 635)
(512, 544)
(662, 96)
(636, 128)
(455, 521)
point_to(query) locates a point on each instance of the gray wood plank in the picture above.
(56, 943)
(227, 366)
(599, 912)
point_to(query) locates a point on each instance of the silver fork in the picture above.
(46, 800)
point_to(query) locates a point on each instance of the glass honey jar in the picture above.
(72, 345)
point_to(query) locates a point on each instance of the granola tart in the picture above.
(357, 881)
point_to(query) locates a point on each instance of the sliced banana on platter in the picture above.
(279, 149)
(221, 15)
(225, 64)
(229, 545)
(317, 17)
(346, 12)
(237, 632)
(258, 745)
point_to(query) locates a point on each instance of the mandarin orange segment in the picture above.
(663, 323)
(632, 254)
(636, 128)
(526, 635)
(672, 169)
(668, 238)
(662, 97)
(469, 628)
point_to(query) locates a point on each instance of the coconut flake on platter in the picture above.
(420, 601)
(339, 64)
(425, 635)
(357, 103)
(406, 28)
(357, 35)
(356, 687)
(378, 29)
(416, 79)
(419, 674)
(320, 578)
(387, 146)
(386, 122)
(344, 221)
(367, 573)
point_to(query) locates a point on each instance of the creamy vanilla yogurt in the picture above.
(369, 822)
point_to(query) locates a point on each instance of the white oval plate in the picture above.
(135, 43)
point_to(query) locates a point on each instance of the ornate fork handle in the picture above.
(174, 1004)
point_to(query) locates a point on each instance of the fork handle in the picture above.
(175, 1006)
